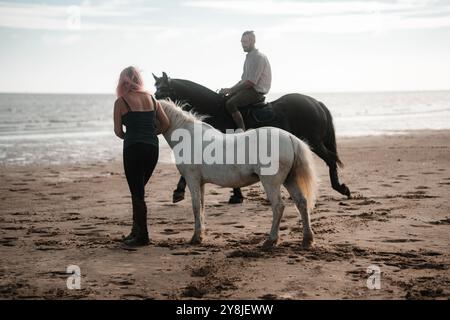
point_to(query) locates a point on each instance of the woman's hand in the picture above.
(225, 91)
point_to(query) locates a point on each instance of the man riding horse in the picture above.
(301, 115)
(255, 81)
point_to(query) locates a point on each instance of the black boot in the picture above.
(139, 232)
(134, 228)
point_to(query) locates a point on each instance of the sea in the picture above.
(49, 129)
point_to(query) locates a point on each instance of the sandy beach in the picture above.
(398, 220)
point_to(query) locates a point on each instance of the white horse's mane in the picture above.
(176, 113)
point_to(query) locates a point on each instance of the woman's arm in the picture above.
(162, 121)
(118, 129)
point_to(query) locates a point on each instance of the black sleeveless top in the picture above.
(140, 126)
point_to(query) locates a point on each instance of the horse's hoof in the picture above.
(269, 244)
(346, 191)
(196, 240)
(235, 199)
(308, 244)
(177, 196)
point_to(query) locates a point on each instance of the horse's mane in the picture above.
(175, 111)
(194, 91)
(198, 86)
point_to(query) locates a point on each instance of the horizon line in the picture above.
(270, 93)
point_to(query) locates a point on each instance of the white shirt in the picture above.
(257, 70)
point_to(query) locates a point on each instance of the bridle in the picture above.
(166, 93)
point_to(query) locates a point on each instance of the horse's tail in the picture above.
(303, 171)
(330, 138)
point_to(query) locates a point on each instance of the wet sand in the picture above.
(398, 219)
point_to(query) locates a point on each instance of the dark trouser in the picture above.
(139, 161)
(243, 98)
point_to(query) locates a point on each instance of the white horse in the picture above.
(295, 170)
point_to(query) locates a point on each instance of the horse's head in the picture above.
(163, 88)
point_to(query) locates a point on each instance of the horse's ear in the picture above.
(155, 77)
(165, 77)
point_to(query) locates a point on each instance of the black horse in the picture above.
(303, 116)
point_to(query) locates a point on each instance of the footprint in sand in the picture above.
(203, 271)
(401, 240)
(56, 273)
(48, 234)
(228, 223)
(72, 214)
(169, 205)
(85, 227)
(344, 204)
(170, 231)
(123, 282)
(417, 195)
(445, 221)
(20, 184)
(134, 296)
(20, 213)
(186, 253)
(36, 230)
(366, 202)
(19, 189)
(56, 193)
(269, 296)
(12, 228)
(8, 241)
(95, 233)
(216, 214)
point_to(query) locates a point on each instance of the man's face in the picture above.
(247, 43)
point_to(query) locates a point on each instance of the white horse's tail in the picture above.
(303, 171)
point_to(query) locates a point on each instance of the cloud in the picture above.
(339, 16)
(60, 17)
(288, 16)
(295, 8)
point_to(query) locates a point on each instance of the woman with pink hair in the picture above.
(144, 119)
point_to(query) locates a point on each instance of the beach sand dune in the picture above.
(398, 220)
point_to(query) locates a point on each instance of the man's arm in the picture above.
(256, 67)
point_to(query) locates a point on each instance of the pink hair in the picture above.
(130, 80)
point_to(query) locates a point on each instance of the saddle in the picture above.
(260, 112)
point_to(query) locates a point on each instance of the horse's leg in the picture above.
(197, 194)
(202, 202)
(178, 193)
(302, 206)
(341, 188)
(274, 195)
(319, 149)
(236, 197)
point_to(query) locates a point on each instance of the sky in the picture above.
(312, 46)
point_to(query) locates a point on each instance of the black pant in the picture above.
(139, 161)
